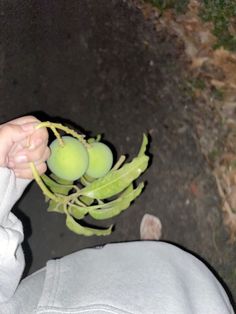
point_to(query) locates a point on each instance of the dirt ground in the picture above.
(104, 68)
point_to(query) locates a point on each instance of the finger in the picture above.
(37, 157)
(9, 135)
(29, 155)
(27, 173)
(39, 137)
(24, 120)
(28, 120)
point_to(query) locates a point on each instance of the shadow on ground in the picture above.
(102, 66)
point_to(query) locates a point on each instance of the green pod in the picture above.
(86, 231)
(118, 206)
(116, 180)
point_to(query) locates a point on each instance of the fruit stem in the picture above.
(42, 186)
(58, 136)
(73, 196)
(84, 181)
(59, 126)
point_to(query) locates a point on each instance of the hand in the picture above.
(21, 144)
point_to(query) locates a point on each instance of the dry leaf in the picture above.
(150, 228)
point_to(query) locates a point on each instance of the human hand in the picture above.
(21, 144)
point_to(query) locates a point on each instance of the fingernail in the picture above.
(21, 158)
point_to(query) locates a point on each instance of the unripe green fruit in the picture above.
(70, 161)
(100, 160)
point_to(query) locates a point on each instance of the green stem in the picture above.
(73, 196)
(53, 126)
(58, 136)
(65, 209)
(84, 181)
(78, 202)
(42, 186)
(119, 162)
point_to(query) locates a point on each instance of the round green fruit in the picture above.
(100, 160)
(70, 161)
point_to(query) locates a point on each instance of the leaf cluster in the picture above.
(101, 199)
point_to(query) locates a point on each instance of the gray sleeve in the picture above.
(11, 234)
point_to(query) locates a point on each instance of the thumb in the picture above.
(11, 134)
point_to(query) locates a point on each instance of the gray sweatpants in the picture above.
(143, 277)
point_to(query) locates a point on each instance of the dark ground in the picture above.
(103, 67)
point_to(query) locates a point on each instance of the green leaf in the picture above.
(86, 231)
(143, 146)
(87, 179)
(83, 181)
(86, 200)
(56, 207)
(119, 205)
(60, 180)
(56, 187)
(116, 180)
(77, 212)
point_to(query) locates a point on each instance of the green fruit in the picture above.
(70, 161)
(100, 160)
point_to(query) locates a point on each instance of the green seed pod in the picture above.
(70, 161)
(100, 160)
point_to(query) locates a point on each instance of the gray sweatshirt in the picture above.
(142, 277)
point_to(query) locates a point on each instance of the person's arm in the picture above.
(19, 145)
(11, 234)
